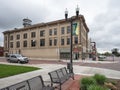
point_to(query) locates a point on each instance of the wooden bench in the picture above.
(35, 83)
(59, 76)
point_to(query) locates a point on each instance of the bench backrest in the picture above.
(20, 86)
(60, 73)
(36, 83)
(64, 70)
(53, 76)
(4, 89)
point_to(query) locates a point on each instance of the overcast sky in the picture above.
(102, 17)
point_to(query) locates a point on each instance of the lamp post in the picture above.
(71, 44)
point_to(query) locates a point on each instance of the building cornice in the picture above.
(47, 24)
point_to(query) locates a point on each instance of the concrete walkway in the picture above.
(80, 70)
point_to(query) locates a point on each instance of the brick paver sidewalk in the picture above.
(72, 84)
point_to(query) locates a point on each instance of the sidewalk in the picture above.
(78, 70)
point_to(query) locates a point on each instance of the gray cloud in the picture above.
(105, 29)
(12, 14)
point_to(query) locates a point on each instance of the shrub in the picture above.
(96, 87)
(100, 79)
(85, 82)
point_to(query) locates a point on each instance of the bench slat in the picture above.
(59, 76)
(19, 86)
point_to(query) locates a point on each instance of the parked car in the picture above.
(17, 58)
(102, 57)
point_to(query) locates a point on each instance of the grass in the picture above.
(10, 70)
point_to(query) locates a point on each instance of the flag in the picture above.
(75, 27)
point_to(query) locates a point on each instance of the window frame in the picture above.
(42, 33)
(25, 43)
(33, 34)
(25, 36)
(42, 42)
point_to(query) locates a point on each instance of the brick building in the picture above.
(47, 40)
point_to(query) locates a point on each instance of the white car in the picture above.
(102, 57)
(17, 58)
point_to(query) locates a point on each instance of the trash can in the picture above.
(68, 65)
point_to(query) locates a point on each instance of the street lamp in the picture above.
(71, 46)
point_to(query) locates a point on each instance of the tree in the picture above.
(107, 54)
(115, 52)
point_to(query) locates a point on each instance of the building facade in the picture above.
(48, 40)
(1, 51)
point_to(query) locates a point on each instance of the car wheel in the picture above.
(27, 62)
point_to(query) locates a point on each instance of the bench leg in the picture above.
(60, 86)
(73, 78)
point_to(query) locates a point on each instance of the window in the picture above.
(42, 42)
(33, 34)
(11, 44)
(55, 41)
(62, 30)
(76, 40)
(62, 41)
(33, 43)
(68, 29)
(25, 35)
(42, 33)
(50, 32)
(50, 41)
(11, 37)
(17, 44)
(68, 41)
(25, 43)
(18, 37)
(55, 31)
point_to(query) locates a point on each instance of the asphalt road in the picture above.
(114, 65)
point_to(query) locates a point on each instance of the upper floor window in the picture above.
(55, 31)
(18, 36)
(42, 42)
(17, 44)
(68, 29)
(50, 32)
(50, 41)
(25, 43)
(68, 41)
(62, 30)
(11, 37)
(11, 44)
(33, 34)
(62, 41)
(55, 41)
(25, 35)
(76, 40)
(42, 33)
(33, 43)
